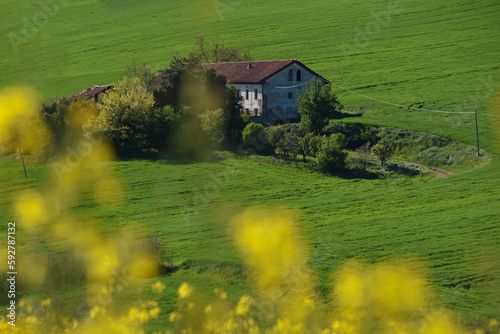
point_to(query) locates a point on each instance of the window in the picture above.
(290, 75)
(255, 91)
(290, 95)
(247, 111)
(256, 112)
(246, 94)
(299, 75)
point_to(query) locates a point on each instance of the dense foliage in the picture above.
(331, 156)
(316, 104)
(383, 150)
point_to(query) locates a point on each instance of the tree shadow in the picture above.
(342, 115)
(354, 173)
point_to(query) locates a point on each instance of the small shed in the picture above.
(93, 92)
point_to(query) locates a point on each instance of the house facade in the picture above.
(267, 89)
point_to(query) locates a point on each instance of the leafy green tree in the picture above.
(144, 72)
(274, 134)
(179, 84)
(383, 150)
(56, 114)
(316, 104)
(162, 127)
(331, 155)
(124, 114)
(287, 147)
(214, 123)
(254, 136)
(236, 121)
(308, 145)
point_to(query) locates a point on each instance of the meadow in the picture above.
(420, 54)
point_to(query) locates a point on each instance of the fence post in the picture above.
(477, 133)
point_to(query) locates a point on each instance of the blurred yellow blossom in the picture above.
(185, 290)
(244, 305)
(158, 287)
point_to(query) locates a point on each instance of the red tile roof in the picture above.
(254, 72)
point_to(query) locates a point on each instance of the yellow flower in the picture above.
(132, 313)
(154, 312)
(174, 316)
(95, 311)
(185, 290)
(46, 302)
(243, 305)
(158, 287)
(219, 292)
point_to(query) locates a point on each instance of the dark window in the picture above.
(290, 95)
(290, 75)
(255, 91)
(246, 94)
(298, 75)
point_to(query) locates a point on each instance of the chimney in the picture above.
(249, 66)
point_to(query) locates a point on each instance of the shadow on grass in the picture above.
(171, 158)
(343, 115)
(351, 174)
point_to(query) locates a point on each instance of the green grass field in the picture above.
(427, 55)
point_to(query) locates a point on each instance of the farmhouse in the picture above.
(267, 89)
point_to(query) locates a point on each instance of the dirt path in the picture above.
(442, 173)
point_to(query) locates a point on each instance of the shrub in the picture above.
(288, 146)
(274, 135)
(315, 105)
(331, 156)
(214, 123)
(383, 150)
(308, 145)
(254, 136)
(356, 134)
(363, 154)
(124, 114)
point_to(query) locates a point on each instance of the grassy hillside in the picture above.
(419, 53)
(413, 52)
(452, 224)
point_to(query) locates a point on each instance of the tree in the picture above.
(308, 145)
(145, 73)
(179, 83)
(216, 51)
(331, 155)
(162, 127)
(274, 134)
(214, 123)
(383, 151)
(288, 146)
(254, 136)
(124, 114)
(236, 121)
(316, 104)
